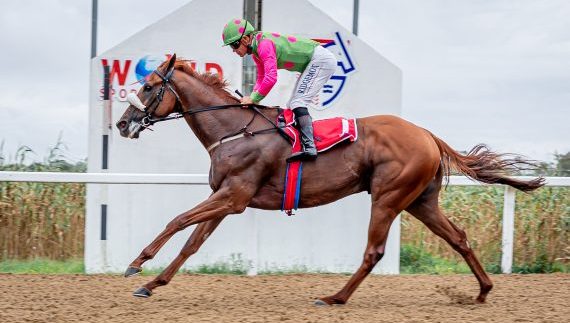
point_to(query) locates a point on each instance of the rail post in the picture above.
(508, 230)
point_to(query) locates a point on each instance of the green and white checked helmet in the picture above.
(235, 29)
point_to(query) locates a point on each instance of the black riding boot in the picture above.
(305, 125)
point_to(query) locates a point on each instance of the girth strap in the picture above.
(219, 142)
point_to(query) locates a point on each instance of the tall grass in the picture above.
(41, 220)
(542, 230)
(542, 226)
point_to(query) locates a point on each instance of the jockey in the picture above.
(272, 51)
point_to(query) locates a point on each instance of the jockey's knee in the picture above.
(300, 111)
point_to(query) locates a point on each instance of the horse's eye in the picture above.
(147, 87)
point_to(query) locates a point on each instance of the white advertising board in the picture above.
(365, 84)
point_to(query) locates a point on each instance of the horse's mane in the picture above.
(210, 79)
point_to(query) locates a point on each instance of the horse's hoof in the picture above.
(132, 271)
(319, 302)
(142, 292)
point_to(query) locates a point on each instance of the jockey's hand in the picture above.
(246, 100)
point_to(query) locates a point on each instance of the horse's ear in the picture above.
(171, 63)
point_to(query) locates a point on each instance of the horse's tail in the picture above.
(484, 165)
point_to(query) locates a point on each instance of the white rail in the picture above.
(202, 179)
(104, 178)
(191, 179)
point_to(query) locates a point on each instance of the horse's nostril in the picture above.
(122, 124)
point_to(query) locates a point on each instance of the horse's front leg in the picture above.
(223, 202)
(197, 238)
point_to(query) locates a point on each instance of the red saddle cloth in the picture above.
(327, 134)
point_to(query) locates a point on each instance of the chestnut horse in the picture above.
(400, 164)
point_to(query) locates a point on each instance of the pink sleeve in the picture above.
(266, 67)
(260, 72)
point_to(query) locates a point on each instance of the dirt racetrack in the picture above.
(225, 298)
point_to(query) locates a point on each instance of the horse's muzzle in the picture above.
(130, 124)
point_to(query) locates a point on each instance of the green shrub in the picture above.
(415, 260)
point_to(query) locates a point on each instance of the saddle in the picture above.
(327, 134)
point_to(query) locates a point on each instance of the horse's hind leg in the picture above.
(426, 209)
(388, 200)
(380, 222)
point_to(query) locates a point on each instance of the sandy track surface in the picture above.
(224, 298)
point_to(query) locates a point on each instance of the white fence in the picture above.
(202, 179)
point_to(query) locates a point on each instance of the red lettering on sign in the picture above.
(218, 69)
(116, 69)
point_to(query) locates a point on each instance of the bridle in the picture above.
(148, 120)
(133, 99)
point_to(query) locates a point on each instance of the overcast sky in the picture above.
(475, 71)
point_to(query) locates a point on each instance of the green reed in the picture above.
(41, 220)
(542, 226)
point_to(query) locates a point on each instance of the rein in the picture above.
(148, 120)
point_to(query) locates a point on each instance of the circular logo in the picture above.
(147, 65)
